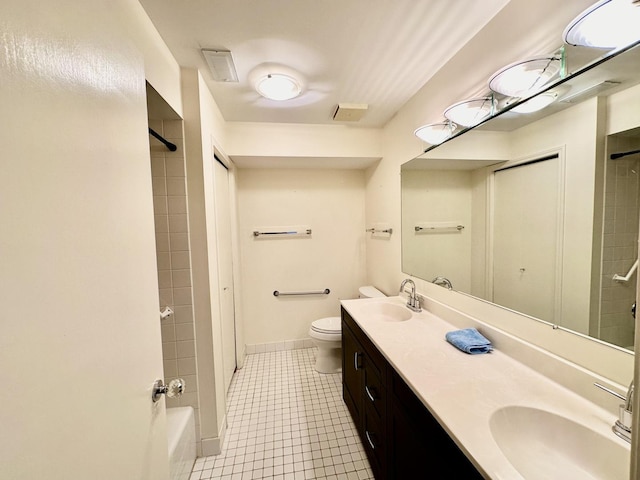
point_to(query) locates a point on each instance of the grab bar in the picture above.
(276, 293)
(291, 232)
(377, 230)
(620, 278)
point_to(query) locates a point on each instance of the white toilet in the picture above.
(326, 334)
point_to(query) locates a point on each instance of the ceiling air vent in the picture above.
(350, 112)
(221, 65)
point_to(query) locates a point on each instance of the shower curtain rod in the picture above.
(615, 156)
(168, 144)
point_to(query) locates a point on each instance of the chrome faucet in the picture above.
(443, 282)
(622, 426)
(413, 302)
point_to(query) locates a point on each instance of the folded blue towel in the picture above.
(469, 340)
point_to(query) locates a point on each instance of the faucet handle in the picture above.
(622, 426)
(608, 390)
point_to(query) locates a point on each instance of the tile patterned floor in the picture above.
(286, 422)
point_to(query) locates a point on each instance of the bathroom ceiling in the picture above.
(377, 52)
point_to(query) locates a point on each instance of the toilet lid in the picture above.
(327, 325)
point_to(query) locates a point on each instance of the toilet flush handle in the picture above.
(174, 388)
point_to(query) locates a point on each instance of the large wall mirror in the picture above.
(539, 212)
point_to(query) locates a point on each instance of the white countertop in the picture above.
(462, 391)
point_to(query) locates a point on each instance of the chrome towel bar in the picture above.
(428, 229)
(291, 232)
(376, 230)
(326, 291)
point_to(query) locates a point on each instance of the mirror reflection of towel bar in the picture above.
(276, 293)
(428, 229)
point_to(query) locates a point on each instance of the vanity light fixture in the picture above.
(471, 112)
(435, 133)
(540, 101)
(606, 24)
(278, 86)
(523, 79)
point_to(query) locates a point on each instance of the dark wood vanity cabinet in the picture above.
(364, 392)
(401, 437)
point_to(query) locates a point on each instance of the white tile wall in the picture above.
(620, 246)
(174, 263)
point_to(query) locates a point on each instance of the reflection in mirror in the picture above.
(537, 212)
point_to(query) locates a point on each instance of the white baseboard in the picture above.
(279, 346)
(213, 446)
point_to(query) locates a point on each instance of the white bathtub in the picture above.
(181, 435)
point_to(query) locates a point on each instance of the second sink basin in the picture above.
(543, 445)
(390, 312)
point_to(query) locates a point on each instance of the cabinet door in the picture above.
(420, 448)
(375, 441)
(352, 373)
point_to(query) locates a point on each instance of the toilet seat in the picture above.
(328, 325)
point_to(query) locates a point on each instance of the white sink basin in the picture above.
(543, 445)
(390, 312)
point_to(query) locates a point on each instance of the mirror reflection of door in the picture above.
(526, 237)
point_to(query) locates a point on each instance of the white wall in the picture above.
(437, 197)
(203, 125)
(81, 346)
(269, 140)
(331, 203)
(624, 110)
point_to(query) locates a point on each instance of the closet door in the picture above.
(526, 236)
(225, 270)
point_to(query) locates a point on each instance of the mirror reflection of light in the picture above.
(522, 79)
(470, 112)
(435, 133)
(606, 24)
(277, 86)
(536, 103)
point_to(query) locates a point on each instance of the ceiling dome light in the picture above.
(606, 24)
(523, 79)
(277, 86)
(536, 103)
(470, 112)
(435, 133)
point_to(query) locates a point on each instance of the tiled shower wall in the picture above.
(622, 210)
(174, 264)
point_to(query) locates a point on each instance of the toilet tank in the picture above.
(369, 291)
